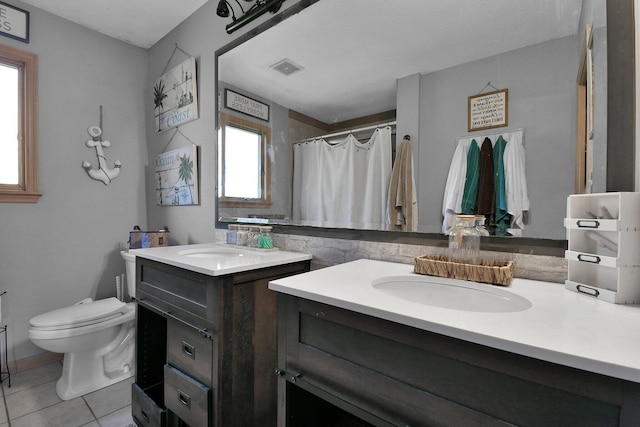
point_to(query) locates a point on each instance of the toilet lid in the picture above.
(80, 315)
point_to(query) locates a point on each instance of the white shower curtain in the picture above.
(344, 184)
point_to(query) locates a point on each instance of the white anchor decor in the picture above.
(104, 173)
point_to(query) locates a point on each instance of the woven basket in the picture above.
(488, 271)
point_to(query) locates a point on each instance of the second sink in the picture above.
(212, 253)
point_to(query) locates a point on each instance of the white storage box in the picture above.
(603, 233)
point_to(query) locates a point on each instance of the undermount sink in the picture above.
(212, 253)
(451, 294)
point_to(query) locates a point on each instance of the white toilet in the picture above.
(96, 337)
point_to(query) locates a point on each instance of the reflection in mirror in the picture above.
(244, 170)
(323, 72)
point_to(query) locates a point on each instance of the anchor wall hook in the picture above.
(103, 173)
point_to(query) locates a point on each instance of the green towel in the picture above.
(471, 180)
(503, 219)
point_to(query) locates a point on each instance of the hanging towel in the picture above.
(403, 201)
(516, 180)
(502, 218)
(452, 201)
(486, 188)
(471, 181)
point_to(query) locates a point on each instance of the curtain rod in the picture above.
(347, 132)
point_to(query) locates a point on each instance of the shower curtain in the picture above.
(342, 184)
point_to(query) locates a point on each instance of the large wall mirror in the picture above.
(329, 67)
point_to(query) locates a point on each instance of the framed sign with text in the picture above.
(246, 105)
(175, 96)
(488, 110)
(14, 22)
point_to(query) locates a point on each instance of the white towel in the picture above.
(453, 191)
(516, 179)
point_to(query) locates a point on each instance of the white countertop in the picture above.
(219, 259)
(561, 326)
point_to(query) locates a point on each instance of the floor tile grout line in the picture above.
(90, 410)
(39, 409)
(6, 407)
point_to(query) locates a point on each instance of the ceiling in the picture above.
(353, 51)
(372, 43)
(138, 22)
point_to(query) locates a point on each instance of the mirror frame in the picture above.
(620, 129)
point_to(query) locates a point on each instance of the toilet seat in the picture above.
(84, 314)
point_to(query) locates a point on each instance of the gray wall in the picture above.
(200, 35)
(66, 247)
(541, 83)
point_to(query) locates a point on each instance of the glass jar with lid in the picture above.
(242, 235)
(265, 241)
(232, 234)
(464, 241)
(253, 236)
(482, 229)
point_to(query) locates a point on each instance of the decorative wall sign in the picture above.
(488, 110)
(177, 177)
(246, 105)
(14, 22)
(103, 173)
(175, 96)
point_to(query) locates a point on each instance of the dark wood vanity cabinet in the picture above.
(341, 368)
(206, 346)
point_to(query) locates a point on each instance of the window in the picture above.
(244, 174)
(18, 126)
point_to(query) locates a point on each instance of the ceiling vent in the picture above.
(286, 67)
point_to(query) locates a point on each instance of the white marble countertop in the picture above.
(215, 259)
(561, 326)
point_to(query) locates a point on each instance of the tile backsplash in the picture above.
(331, 251)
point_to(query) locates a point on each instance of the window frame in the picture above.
(265, 131)
(26, 191)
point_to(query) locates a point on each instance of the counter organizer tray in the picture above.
(603, 252)
(488, 271)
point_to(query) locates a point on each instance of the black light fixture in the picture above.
(259, 8)
(224, 7)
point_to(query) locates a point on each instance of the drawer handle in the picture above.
(184, 398)
(588, 223)
(189, 350)
(144, 415)
(594, 259)
(587, 290)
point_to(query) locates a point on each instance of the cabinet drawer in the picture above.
(183, 294)
(186, 397)
(189, 351)
(144, 409)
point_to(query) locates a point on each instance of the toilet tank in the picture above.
(130, 265)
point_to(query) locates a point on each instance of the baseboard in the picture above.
(34, 361)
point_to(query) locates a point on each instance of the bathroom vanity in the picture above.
(361, 345)
(206, 335)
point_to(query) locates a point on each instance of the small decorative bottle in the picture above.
(464, 241)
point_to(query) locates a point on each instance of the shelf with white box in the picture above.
(603, 233)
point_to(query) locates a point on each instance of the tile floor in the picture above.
(31, 401)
